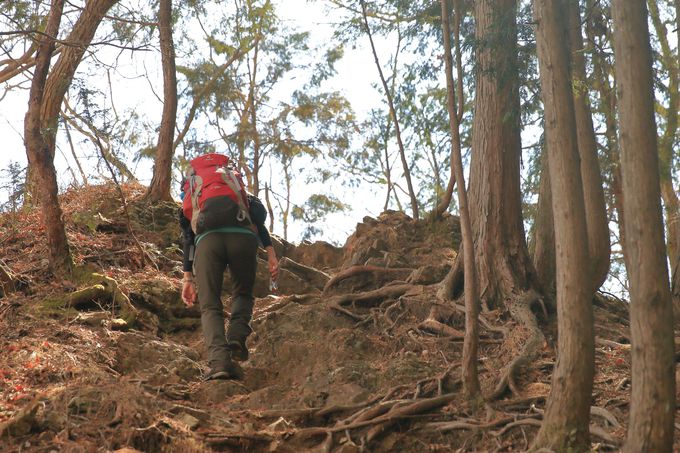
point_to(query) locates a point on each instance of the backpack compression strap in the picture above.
(232, 180)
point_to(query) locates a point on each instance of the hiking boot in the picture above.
(228, 371)
(238, 350)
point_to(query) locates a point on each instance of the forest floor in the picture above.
(355, 352)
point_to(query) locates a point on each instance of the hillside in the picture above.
(354, 354)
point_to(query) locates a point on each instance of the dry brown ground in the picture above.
(349, 357)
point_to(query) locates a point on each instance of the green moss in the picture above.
(55, 307)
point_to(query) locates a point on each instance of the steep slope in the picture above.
(354, 354)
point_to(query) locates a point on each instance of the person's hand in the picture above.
(273, 263)
(189, 293)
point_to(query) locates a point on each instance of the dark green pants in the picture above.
(214, 253)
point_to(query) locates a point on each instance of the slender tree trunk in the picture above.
(159, 189)
(566, 420)
(671, 204)
(393, 113)
(39, 152)
(596, 210)
(253, 129)
(93, 133)
(73, 153)
(652, 408)
(388, 166)
(448, 193)
(470, 375)
(602, 72)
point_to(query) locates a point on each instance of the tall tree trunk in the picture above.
(544, 233)
(566, 420)
(42, 118)
(675, 260)
(39, 153)
(159, 189)
(470, 375)
(393, 113)
(596, 210)
(504, 268)
(653, 364)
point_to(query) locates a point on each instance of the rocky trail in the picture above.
(354, 353)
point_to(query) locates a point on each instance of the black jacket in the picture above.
(258, 214)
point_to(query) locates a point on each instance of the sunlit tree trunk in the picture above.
(652, 408)
(567, 414)
(159, 189)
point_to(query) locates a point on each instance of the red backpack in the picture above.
(214, 194)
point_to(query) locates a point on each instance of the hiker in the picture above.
(219, 220)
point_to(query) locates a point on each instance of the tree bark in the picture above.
(39, 152)
(502, 261)
(393, 113)
(60, 78)
(566, 420)
(602, 72)
(470, 375)
(159, 189)
(653, 365)
(544, 233)
(458, 110)
(671, 204)
(41, 121)
(596, 210)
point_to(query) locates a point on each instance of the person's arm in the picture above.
(259, 215)
(188, 285)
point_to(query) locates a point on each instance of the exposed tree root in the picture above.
(473, 425)
(536, 421)
(605, 414)
(520, 309)
(452, 286)
(376, 273)
(241, 440)
(104, 290)
(432, 325)
(612, 344)
(315, 277)
(368, 297)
